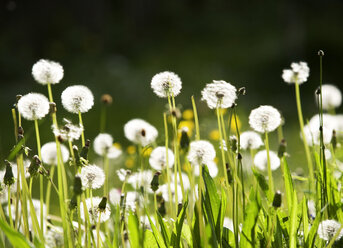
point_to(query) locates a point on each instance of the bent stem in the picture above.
(301, 123)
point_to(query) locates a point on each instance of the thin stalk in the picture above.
(41, 196)
(9, 205)
(98, 231)
(167, 161)
(83, 130)
(196, 120)
(222, 147)
(48, 190)
(270, 174)
(156, 209)
(301, 123)
(106, 167)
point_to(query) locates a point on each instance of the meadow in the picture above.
(180, 186)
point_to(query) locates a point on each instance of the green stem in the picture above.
(222, 147)
(270, 174)
(106, 167)
(83, 129)
(48, 190)
(196, 120)
(301, 123)
(9, 205)
(98, 231)
(167, 161)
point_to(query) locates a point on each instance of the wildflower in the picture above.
(54, 237)
(122, 174)
(188, 114)
(219, 94)
(158, 160)
(49, 153)
(331, 96)
(165, 84)
(312, 135)
(114, 196)
(69, 131)
(106, 99)
(77, 98)
(250, 140)
(260, 160)
(212, 169)
(298, 73)
(140, 132)
(103, 145)
(185, 180)
(201, 152)
(33, 106)
(165, 194)
(141, 179)
(94, 210)
(47, 72)
(92, 176)
(327, 229)
(264, 119)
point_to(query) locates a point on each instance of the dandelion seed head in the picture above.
(201, 152)
(327, 229)
(264, 119)
(140, 132)
(33, 106)
(163, 189)
(141, 179)
(331, 96)
(261, 162)
(103, 145)
(49, 153)
(219, 94)
(311, 208)
(46, 71)
(166, 83)
(94, 211)
(158, 160)
(69, 131)
(92, 177)
(312, 135)
(250, 140)
(114, 196)
(77, 98)
(212, 169)
(54, 237)
(185, 180)
(298, 73)
(122, 173)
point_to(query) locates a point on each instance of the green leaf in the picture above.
(164, 230)
(157, 234)
(250, 220)
(293, 222)
(262, 182)
(228, 238)
(134, 230)
(187, 235)
(288, 184)
(16, 238)
(305, 219)
(176, 236)
(149, 240)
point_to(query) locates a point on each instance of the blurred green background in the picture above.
(116, 47)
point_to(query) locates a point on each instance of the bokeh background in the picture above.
(116, 47)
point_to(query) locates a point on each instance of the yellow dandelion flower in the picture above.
(129, 163)
(147, 152)
(117, 145)
(187, 124)
(214, 134)
(233, 124)
(187, 114)
(131, 150)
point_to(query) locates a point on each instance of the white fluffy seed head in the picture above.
(77, 98)
(212, 169)
(158, 158)
(140, 132)
(49, 153)
(141, 179)
(165, 192)
(201, 152)
(33, 106)
(166, 83)
(250, 140)
(312, 135)
(122, 174)
(219, 94)
(332, 97)
(185, 180)
(94, 211)
(114, 196)
(47, 72)
(298, 73)
(261, 162)
(264, 119)
(103, 145)
(92, 176)
(327, 229)
(69, 131)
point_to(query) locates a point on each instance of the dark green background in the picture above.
(116, 47)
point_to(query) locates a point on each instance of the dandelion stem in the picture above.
(222, 146)
(98, 230)
(301, 123)
(270, 174)
(48, 190)
(41, 196)
(83, 130)
(196, 120)
(156, 209)
(106, 167)
(9, 205)
(167, 160)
